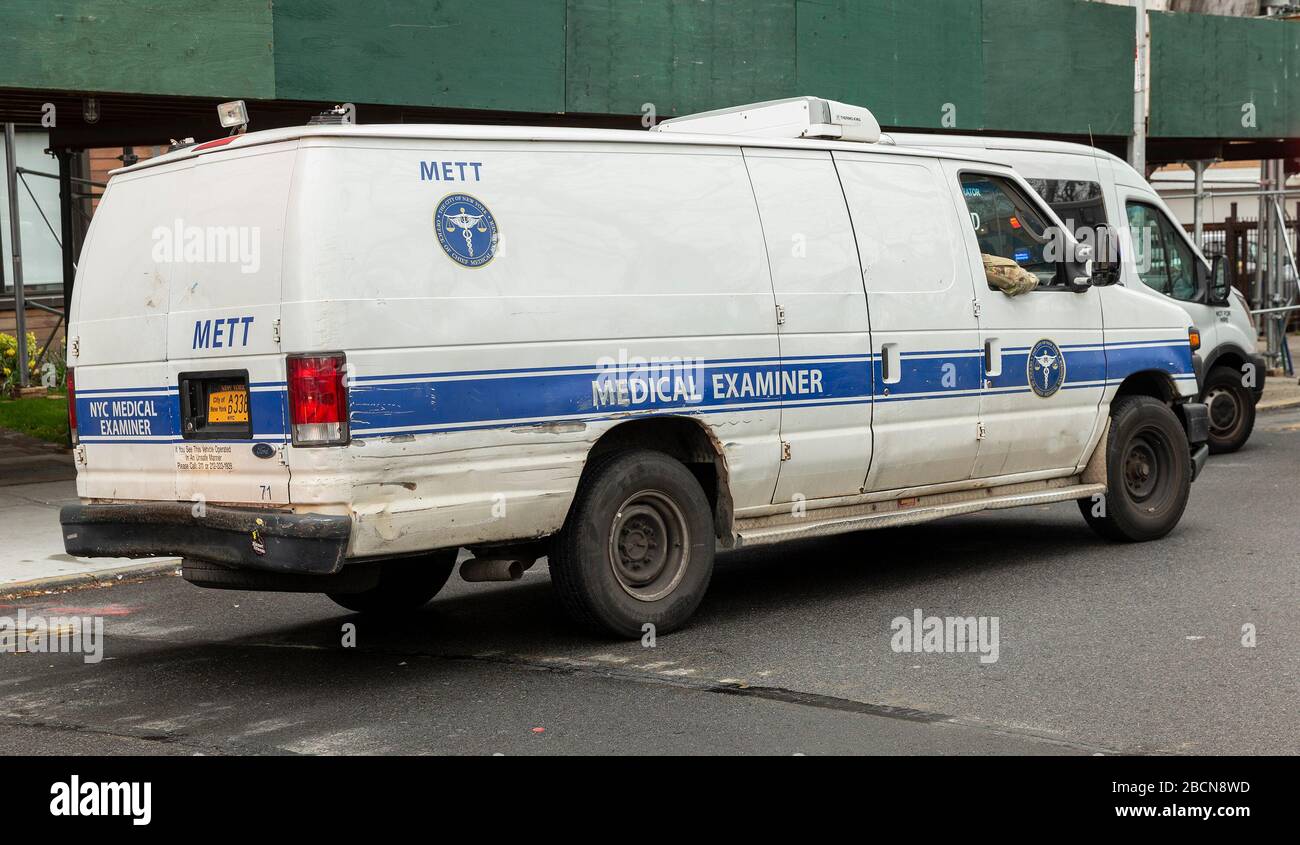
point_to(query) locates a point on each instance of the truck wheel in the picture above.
(1148, 470)
(405, 584)
(1232, 410)
(637, 547)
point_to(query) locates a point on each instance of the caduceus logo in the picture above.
(466, 230)
(1045, 368)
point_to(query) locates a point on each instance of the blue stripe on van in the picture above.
(592, 393)
(147, 415)
(387, 404)
(1124, 359)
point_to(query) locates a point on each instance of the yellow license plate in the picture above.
(228, 406)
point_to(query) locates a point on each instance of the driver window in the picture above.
(1182, 263)
(1164, 260)
(1006, 225)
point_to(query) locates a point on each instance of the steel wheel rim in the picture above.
(1147, 460)
(649, 545)
(1225, 411)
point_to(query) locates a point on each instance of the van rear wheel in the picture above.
(405, 584)
(1232, 410)
(1148, 473)
(637, 548)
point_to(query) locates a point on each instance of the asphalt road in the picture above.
(1103, 649)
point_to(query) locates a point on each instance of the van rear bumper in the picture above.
(273, 541)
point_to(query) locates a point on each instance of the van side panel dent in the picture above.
(445, 490)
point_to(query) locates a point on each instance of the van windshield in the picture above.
(1077, 202)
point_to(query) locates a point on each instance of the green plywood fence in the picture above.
(180, 47)
(1051, 65)
(681, 56)
(912, 62)
(1058, 66)
(491, 54)
(1005, 65)
(1210, 75)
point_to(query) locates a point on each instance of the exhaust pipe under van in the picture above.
(495, 568)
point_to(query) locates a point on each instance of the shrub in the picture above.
(54, 362)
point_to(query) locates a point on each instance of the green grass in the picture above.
(42, 417)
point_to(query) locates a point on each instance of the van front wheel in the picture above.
(1148, 473)
(1232, 410)
(637, 547)
(405, 584)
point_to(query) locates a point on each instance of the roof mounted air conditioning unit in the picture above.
(797, 117)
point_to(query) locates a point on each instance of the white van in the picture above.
(1091, 188)
(619, 349)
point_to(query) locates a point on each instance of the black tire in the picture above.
(1232, 410)
(1148, 470)
(637, 547)
(405, 584)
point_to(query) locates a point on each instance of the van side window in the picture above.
(1164, 260)
(1006, 224)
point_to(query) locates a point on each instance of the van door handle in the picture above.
(993, 357)
(891, 364)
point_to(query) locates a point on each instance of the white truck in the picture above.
(1090, 188)
(329, 358)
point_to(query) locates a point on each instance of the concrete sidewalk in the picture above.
(36, 479)
(1282, 391)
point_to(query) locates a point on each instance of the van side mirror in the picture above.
(1075, 271)
(1106, 273)
(1218, 290)
(1107, 267)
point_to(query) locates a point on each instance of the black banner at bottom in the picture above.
(188, 795)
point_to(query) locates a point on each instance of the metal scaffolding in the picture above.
(64, 237)
(16, 248)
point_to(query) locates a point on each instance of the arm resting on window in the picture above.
(1007, 276)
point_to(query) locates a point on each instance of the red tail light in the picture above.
(72, 408)
(318, 400)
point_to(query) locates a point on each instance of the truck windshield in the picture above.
(1078, 203)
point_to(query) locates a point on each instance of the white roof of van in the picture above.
(994, 142)
(461, 132)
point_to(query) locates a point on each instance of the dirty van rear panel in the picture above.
(180, 384)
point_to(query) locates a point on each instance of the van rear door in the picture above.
(223, 329)
(118, 340)
(178, 367)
